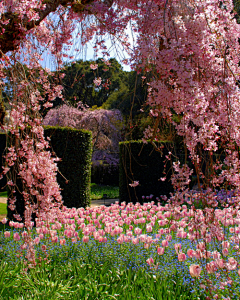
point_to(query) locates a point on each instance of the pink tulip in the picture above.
(164, 243)
(169, 237)
(216, 254)
(220, 263)
(16, 236)
(36, 240)
(201, 246)
(160, 250)
(4, 220)
(211, 267)
(148, 228)
(225, 251)
(146, 246)
(54, 239)
(225, 244)
(150, 261)
(62, 241)
(120, 240)
(85, 238)
(177, 247)
(135, 241)
(195, 270)
(161, 231)
(181, 256)
(7, 234)
(43, 247)
(138, 231)
(143, 238)
(149, 239)
(231, 264)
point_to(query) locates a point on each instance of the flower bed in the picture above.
(201, 246)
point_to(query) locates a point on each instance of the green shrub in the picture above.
(75, 149)
(107, 174)
(140, 162)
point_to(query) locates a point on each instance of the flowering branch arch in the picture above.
(192, 49)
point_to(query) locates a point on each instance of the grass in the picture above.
(3, 194)
(89, 271)
(3, 209)
(97, 192)
(86, 281)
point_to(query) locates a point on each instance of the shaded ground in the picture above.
(94, 203)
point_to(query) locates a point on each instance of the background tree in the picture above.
(105, 126)
(78, 81)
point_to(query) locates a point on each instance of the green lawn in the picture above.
(98, 190)
(3, 194)
(3, 209)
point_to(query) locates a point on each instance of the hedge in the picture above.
(74, 147)
(140, 162)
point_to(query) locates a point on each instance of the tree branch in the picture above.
(18, 27)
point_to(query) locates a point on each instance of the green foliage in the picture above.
(129, 101)
(75, 149)
(88, 281)
(127, 91)
(3, 209)
(4, 194)
(140, 162)
(78, 82)
(98, 190)
(107, 174)
(236, 4)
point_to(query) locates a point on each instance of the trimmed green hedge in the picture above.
(141, 162)
(74, 147)
(105, 174)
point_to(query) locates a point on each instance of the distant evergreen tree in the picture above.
(79, 80)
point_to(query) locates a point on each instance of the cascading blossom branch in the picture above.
(193, 50)
(27, 155)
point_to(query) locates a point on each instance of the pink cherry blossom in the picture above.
(134, 184)
(93, 66)
(97, 81)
